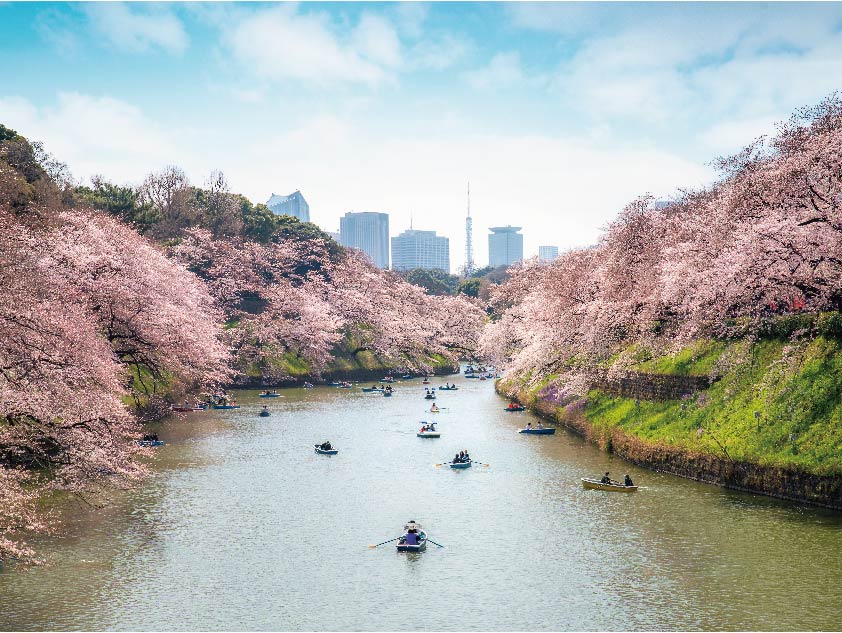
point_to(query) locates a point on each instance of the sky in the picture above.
(559, 114)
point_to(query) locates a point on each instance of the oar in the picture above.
(480, 463)
(433, 542)
(384, 542)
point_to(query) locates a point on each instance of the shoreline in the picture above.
(771, 481)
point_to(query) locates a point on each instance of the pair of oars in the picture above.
(396, 538)
(472, 461)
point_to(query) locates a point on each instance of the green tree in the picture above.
(435, 282)
(122, 202)
(470, 287)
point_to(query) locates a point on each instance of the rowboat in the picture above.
(322, 451)
(150, 442)
(596, 484)
(413, 540)
(372, 389)
(387, 379)
(549, 431)
(460, 464)
(226, 406)
(265, 413)
(517, 408)
(425, 382)
(388, 394)
(448, 388)
(429, 396)
(187, 409)
(470, 376)
(269, 395)
(430, 433)
(407, 377)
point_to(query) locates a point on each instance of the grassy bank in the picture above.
(772, 402)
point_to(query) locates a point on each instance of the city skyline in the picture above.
(324, 97)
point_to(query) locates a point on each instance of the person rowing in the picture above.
(628, 481)
(434, 408)
(605, 479)
(326, 446)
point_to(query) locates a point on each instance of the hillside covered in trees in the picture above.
(114, 301)
(739, 285)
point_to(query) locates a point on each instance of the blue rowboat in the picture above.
(372, 389)
(150, 443)
(519, 408)
(460, 464)
(321, 451)
(407, 377)
(550, 431)
(270, 395)
(388, 394)
(413, 540)
(226, 406)
(264, 414)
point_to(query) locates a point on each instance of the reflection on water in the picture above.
(243, 526)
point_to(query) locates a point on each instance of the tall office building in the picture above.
(505, 246)
(369, 232)
(420, 249)
(547, 253)
(294, 204)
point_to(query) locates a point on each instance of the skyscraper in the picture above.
(505, 246)
(369, 232)
(420, 249)
(547, 253)
(469, 239)
(294, 204)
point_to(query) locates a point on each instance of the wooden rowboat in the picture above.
(545, 431)
(596, 484)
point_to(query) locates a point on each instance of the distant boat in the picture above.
(274, 394)
(226, 406)
(265, 413)
(150, 443)
(596, 484)
(544, 431)
(453, 388)
(516, 408)
(430, 432)
(321, 451)
(372, 389)
(460, 464)
(387, 393)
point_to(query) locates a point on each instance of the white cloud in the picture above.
(504, 69)
(136, 28)
(692, 69)
(93, 135)
(280, 44)
(377, 41)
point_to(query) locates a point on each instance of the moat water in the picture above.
(243, 527)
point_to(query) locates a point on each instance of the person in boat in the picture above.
(467, 456)
(265, 407)
(434, 408)
(540, 425)
(628, 481)
(605, 479)
(150, 437)
(457, 459)
(529, 425)
(326, 446)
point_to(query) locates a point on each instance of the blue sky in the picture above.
(558, 113)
